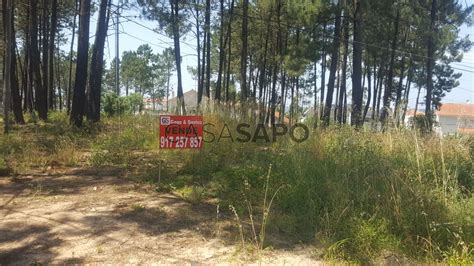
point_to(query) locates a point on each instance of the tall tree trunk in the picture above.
(78, 100)
(168, 76)
(71, 50)
(374, 101)
(273, 96)
(54, 23)
(45, 25)
(14, 89)
(8, 60)
(24, 83)
(406, 96)
(387, 97)
(208, 50)
(430, 62)
(398, 98)
(283, 97)
(97, 65)
(315, 91)
(229, 39)
(58, 78)
(323, 73)
(357, 90)
(369, 91)
(221, 54)
(203, 69)
(337, 88)
(229, 60)
(342, 91)
(333, 68)
(400, 84)
(263, 72)
(27, 101)
(41, 92)
(177, 53)
(417, 101)
(243, 57)
(198, 46)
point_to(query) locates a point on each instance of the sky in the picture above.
(135, 32)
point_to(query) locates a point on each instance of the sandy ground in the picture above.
(76, 216)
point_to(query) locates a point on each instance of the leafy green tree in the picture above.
(166, 68)
(172, 19)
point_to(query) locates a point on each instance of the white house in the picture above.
(190, 100)
(454, 118)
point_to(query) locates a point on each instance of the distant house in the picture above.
(190, 100)
(456, 118)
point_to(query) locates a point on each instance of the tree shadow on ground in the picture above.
(32, 244)
(43, 213)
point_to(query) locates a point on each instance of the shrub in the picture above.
(120, 105)
(367, 191)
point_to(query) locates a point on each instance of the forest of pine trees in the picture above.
(354, 60)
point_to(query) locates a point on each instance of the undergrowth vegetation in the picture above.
(356, 194)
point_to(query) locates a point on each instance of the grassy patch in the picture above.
(358, 193)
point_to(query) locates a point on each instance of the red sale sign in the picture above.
(181, 131)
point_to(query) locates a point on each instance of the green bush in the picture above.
(121, 148)
(366, 192)
(115, 105)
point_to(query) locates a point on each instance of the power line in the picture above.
(461, 66)
(155, 31)
(139, 39)
(334, 37)
(464, 89)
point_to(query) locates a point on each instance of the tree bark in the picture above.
(229, 38)
(41, 92)
(198, 44)
(7, 78)
(221, 54)
(78, 100)
(54, 23)
(430, 65)
(357, 90)
(97, 65)
(14, 90)
(406, 96)
(323, 73)
(208, 50)
(369, 91)
(333, 68)
(203, 69)
(243, 57)
(180, 105)
(342, 91)
(389, 88)
(69, 87)
(45, 25)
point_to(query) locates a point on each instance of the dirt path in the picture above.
(94, 216)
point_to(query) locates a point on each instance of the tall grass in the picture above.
(356, 193)
(359, 193)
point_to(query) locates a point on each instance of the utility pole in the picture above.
(117, 59)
